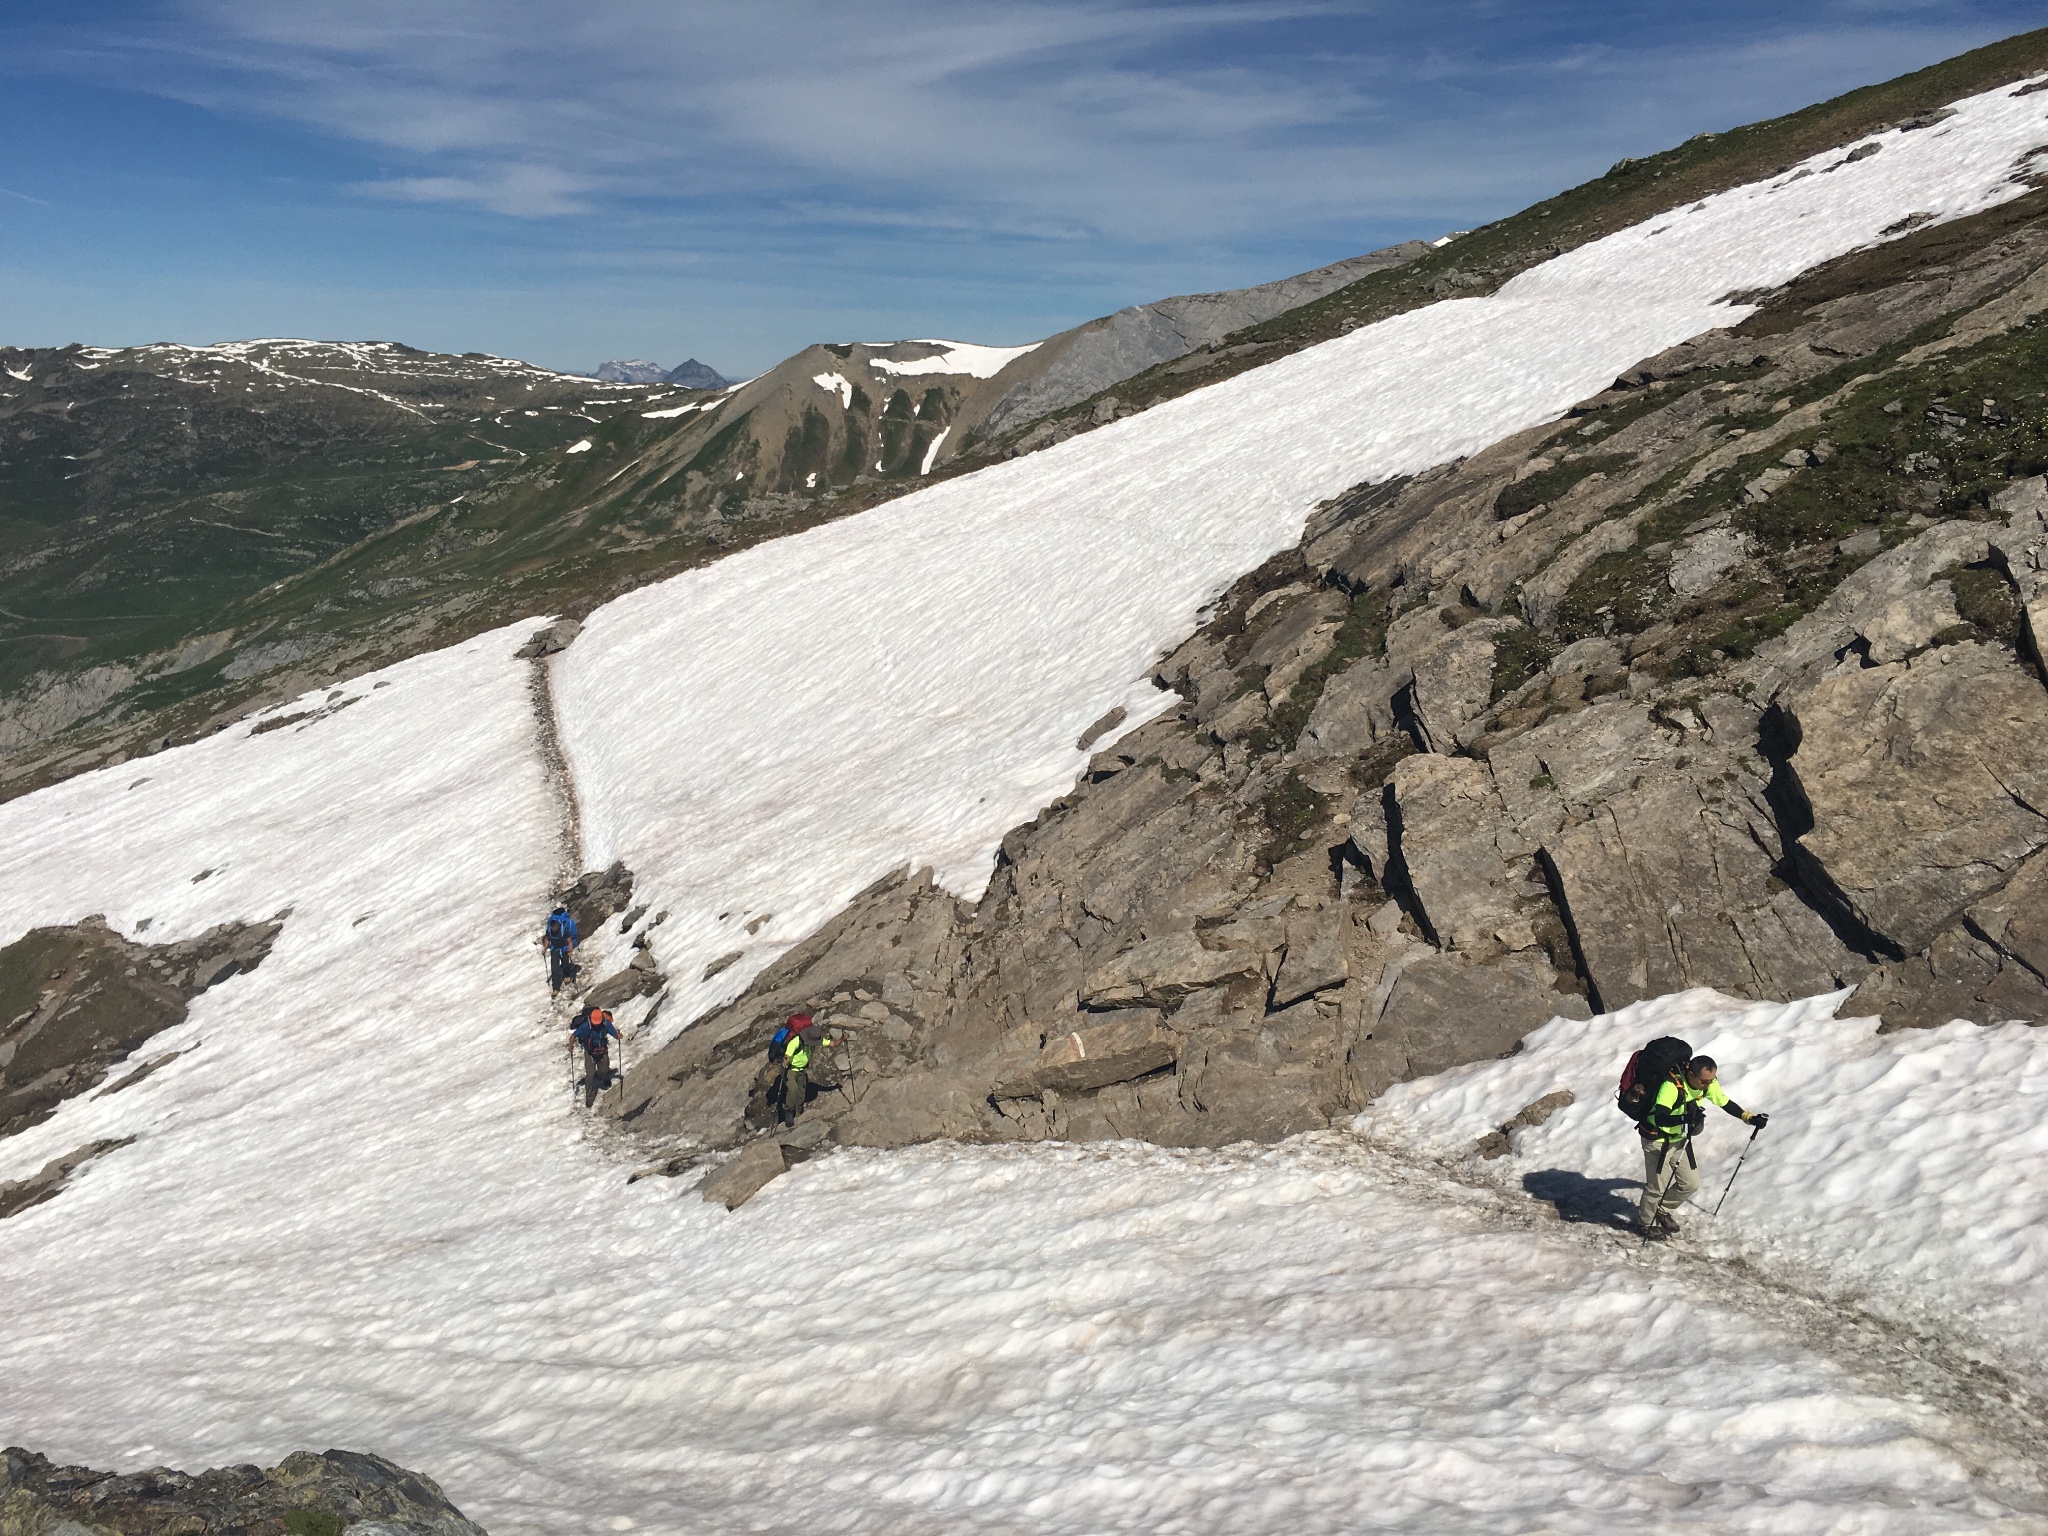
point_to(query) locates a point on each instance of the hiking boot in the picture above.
(1653, 1233)
(1669, 1223)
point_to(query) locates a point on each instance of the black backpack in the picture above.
(1646, 1072)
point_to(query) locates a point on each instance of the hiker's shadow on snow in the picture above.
(1579, 1198)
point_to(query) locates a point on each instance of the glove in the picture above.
(1695, 1120)
(1759, 1120)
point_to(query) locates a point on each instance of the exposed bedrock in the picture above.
(76, 1001)
(303, 1495)
(1727, 678)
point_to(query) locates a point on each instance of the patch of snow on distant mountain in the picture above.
(836, 383)
(959, 357)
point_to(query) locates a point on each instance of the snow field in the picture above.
(769, 735)
(959, 357)
(357, 1215)
(1907, 1172)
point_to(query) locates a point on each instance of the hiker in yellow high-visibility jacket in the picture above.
(803, 1038)
(1671, 1173)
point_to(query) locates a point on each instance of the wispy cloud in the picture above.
(40, 202)
(523, 191)
(990, 166)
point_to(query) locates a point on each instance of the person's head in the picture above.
(561, 909)
(1701, 1071)
(599, 1016)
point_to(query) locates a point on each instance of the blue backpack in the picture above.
(561, 930)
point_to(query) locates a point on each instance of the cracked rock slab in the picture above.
(1927, 781)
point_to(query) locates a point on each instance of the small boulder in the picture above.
(555, 638)
(734, 1183)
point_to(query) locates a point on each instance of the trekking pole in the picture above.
(1738, 1168)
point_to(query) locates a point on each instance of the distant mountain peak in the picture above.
(629, 370)
(695, 375)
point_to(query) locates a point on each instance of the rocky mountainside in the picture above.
(1731, 677)
(629, 370)
(303, 1495)
(691, 374)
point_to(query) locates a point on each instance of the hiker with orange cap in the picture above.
(594, 1030)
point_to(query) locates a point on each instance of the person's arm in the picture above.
(1719, 1095)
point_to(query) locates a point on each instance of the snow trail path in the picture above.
(2002, 1419)
(560, 777)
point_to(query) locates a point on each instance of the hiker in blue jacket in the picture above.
(594, 1031)
(561, 938)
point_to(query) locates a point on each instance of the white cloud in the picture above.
(524, 191)
(1120, 120)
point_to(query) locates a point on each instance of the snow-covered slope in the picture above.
(1908, 1171)
(356, 1212)
(771, 734)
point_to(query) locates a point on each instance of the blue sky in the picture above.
(568, 182)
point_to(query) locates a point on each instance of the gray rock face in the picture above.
(597, 896)
(556, 637)
(338, 1490)
(1124, 1046)
(78, 1001)
(1106, 351)
(48, 704)
(734, 1183)
(1924, 778)
(691, 374)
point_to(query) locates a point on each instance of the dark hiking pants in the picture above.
(597, 1072)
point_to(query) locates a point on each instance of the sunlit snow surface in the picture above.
(1916, 1177)
(359, 1213)
(959, 357)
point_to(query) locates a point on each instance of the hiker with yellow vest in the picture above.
(1674, 1115)
(798, 1038)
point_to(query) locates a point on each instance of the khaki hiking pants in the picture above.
(1669, 1180)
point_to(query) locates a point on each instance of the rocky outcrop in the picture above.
(551, 640)
(76, 1001)
(19, 1194)
(597, 896)
(328, 1494)
(1927, 784)
(1601, 713)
